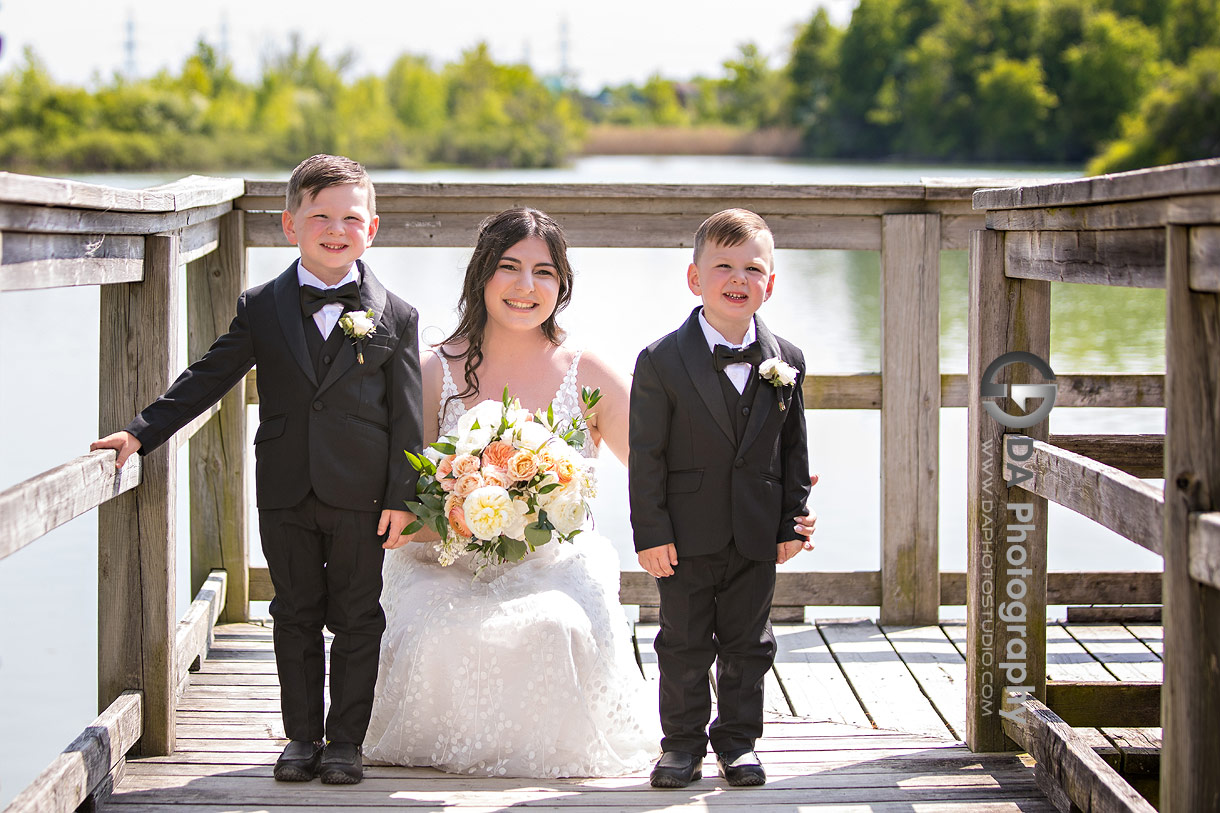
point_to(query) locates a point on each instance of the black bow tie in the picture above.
(314, 299)
(723, 356)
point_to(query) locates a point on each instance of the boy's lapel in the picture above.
(766, 398)
(697, 359)
(372, 297)
(288, 308)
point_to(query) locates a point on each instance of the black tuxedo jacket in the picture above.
(343, 436)
(690, 481)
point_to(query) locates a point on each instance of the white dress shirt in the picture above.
(738, 374)
(328, 315)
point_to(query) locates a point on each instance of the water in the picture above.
(827, 302)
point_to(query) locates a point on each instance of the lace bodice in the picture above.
(566, 401)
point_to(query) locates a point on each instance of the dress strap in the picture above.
(448, 390)
(567, 399)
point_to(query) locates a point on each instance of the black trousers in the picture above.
(325, 565)
(714, 609)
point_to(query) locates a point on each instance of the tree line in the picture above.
(1116, 84)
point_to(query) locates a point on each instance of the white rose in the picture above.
(566, 515)
(774, 369)
(486, 413)
(474, 440)
(360, 323)
(516, 524)
(488, 511)
(532, 436)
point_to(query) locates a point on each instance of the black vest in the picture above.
(738, 403)
(322, 353)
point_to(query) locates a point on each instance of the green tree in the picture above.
(1176, 121)
(1013, 105)
(752, 94)
(1189, 25)
(811, 72)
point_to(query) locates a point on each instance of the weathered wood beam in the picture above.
(42, 503)
(183, 435)
(1134, 214)
(33, 261)
(84, 766)
(136, 530)
(1105, 704)
(1125, 504)
(1131, 258)
(25, 218)
(1205, 259)
(218, 453)
(1088, 781)
(910, 418)
(1115, 614)
(186, 193)
(1072, 587)
(199, 240)
(1006, 527)
(1191, 700)
(194, 633)
(1137, 455)
(1204, 534)
(1192, 178)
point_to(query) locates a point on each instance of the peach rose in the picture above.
(456, 516)
(546, 460)
(466, 483)
(444, 467)
(497, 454)
(565, 470)
(494, 476)
(522, 466)
(466, 464)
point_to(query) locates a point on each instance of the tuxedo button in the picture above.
(317, 406)
(326, 359)
(738, 463)
(745, 410)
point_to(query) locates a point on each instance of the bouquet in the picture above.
(505, 482)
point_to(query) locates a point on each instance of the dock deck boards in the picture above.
(860, 717)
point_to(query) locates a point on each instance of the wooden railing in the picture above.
(134, 243)
(1152, 228)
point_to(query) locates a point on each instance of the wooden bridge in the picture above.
(880, 715)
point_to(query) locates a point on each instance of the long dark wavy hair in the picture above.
(497, 234)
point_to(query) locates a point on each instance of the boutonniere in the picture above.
(778, 374)
(357, 326)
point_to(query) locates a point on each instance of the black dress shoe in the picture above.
(741, 768)
(342, 764)
(676, 769)
(299, 762)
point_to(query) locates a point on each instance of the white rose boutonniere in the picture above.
(357, 326)
(779, 374)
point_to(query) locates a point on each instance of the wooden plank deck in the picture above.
(860, 717)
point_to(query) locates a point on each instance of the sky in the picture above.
(608, 43)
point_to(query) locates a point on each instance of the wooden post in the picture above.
(136, 530)
(218, 450)
(910, 418)
(1190, 699)
(1006, 546)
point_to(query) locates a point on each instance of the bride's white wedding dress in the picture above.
(526, 669)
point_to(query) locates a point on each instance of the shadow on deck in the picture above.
(859, 717)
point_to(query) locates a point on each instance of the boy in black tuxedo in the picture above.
(719, 478)
(338, 404)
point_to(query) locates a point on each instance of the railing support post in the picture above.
(136, 530)
(218, 449)
(910, 418)
(1190, 699)
(1006, 533)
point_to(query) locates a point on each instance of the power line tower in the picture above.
(129, 46)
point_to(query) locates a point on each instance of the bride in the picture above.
(522, 669)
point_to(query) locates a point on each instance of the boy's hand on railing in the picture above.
(393, 521)
(123, 442)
